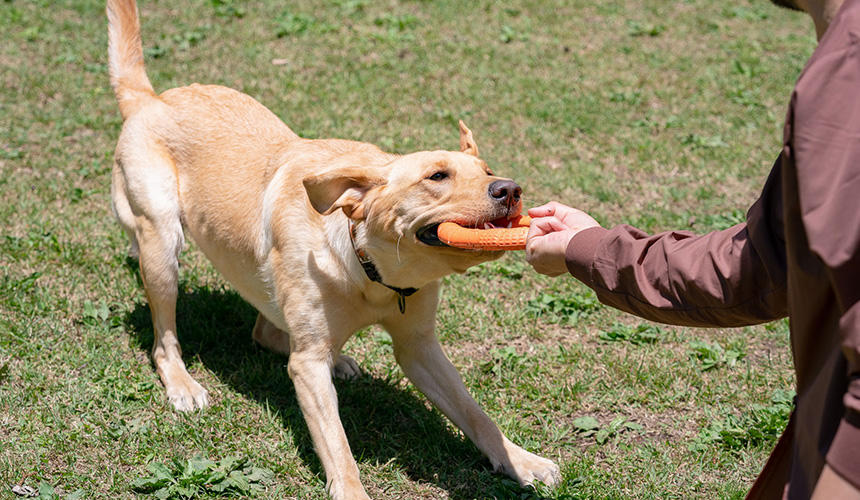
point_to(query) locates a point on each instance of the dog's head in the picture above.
(403, 202)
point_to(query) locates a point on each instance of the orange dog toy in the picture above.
(496, 238)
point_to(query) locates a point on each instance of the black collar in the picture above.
(373, 273)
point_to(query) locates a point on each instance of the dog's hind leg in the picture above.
(273, 338)
(122, 210)
(159, 268)
(150, 188)
(270, 336)
(344, 367)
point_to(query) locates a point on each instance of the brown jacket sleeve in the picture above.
(677, 277)
(824, 138)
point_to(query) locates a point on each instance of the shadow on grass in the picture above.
(382, 421)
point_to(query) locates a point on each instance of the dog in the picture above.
(322, 237)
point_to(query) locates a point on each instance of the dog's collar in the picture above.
(373, 273)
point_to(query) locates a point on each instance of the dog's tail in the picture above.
(125, 57)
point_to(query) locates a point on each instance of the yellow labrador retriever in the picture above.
(323, 237)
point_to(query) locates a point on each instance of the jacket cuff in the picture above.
(844, 453)
(580, 252)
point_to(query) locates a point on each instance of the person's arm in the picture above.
(676, 277)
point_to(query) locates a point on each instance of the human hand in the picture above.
(552, 227)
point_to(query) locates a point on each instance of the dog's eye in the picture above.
(438, 176)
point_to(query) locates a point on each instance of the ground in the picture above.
(664, 115)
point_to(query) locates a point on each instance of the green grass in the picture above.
(665, 115)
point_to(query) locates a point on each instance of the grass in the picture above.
(662, 115)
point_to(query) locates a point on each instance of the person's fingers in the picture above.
(533, 247)
(543, 226)
(552, 225)
(562, 212)
(546, 253)
(545, 210)
(537, 230)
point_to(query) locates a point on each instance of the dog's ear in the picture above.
(345, 188)
(467, 142)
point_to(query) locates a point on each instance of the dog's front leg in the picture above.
(310, 371)
(419, 354)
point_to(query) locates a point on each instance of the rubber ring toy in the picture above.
(494, 239)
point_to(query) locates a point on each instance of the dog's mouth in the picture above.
(429, 236)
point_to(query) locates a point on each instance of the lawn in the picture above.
(664, 115)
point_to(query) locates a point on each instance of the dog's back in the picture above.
(194, 138)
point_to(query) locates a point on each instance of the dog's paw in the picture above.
(345, 367)
(350, 490)
(187, 396)
(527, 468)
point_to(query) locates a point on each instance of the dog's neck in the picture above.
(372, 272)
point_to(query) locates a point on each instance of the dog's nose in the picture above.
(505, 191)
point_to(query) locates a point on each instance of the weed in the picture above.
(567, 309)
(508, 269)
(641, 334)
(189, 38)
(509, 34)
(352, 6)
(155, 51)
(47, 492)
(631, 97)
(757, 427)
(745, 97)
(32, 33)
(588, 426)
(195, 476)
(504, 358)
(11, 154)
(749, 13)
(98, 68)
(291, 24)
(95, 314)
(636, 29)
(698, 141)
(748, 67)
(713, 355)
(228, 8)
(19, 293)
(397, 28)
(398, 23)
(37, 241)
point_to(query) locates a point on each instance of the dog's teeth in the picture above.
(487, 225)
(510, 224)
